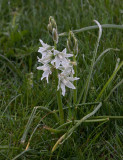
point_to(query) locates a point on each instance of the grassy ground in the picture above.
(22, 24)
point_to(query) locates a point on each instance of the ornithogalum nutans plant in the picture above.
(58, 61)
(62, 65)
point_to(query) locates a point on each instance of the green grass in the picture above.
(22, 24)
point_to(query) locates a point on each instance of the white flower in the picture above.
(47, 70)
(65, 80)
(60, 58)
(67, 68)
(47, 58)
(60, 61)
(44, 49)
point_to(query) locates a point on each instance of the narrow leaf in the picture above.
(92, 64)
(112, 26)
(103, 53)
(109, 81)
(114, 89)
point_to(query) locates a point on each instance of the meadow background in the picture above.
(22, 24)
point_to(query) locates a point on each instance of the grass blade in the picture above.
(28, 125)
(112, 26)
(103, 53)
(10, 103)
(109, 117)
(92, 64)
(19, 155)
(114, 89)
(109, 81)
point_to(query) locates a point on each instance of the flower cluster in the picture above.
(52, 58)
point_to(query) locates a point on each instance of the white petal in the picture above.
(55, 52)
(46, 59)
(69, 55)
(57, 62)
(47, 79)
(41, 49)
(45, 45)
(41, 42)
(69, 84)
(73, 78)
(58, 87)
(53, 61)
(63, 89)
(40, 68)
(65, 63)
(60, 56)
(46, 74)
(64, 51)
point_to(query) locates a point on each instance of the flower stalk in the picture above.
(60, 62)
(59, 98)
(75, 82)
(72, 45)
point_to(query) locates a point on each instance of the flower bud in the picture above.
(53, 22)
(72, 43)
(49, 27)
(52, 28)
(76, 46)
(55, 35)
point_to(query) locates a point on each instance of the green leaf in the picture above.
(109, 81)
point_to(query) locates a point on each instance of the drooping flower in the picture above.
(47, 71)
(47, 58)
(61, 62)
(45, 49)
(65, 80)
(67, 68)
(60, 58)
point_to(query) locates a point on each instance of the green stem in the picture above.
(109, 81)
(59, 98)
(86, 121)
(91, 103)
(54, 130)
(110, 117)
(75, 82)
(60, 130)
